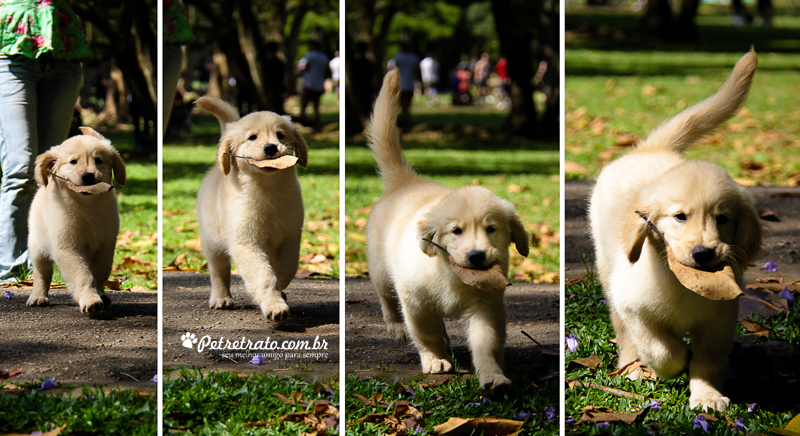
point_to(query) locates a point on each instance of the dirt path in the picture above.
(314, 305)
(781, 242)
(117, 348)
(532, 308)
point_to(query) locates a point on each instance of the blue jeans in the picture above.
(37, 100)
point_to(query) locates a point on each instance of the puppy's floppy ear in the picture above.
(748, 232)
(634, 233)
(426, 229)
(518, 235)
(118, 167)
(91, 132)
(299, 144)
(44, 163)
(225, 146)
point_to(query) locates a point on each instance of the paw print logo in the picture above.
(188, 340)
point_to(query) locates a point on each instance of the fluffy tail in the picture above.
(384, 136)
(225, 112)
(701, 119)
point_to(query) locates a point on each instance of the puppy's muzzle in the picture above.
(270, 150)
(88, 179)
(476, 258)
(703, 255)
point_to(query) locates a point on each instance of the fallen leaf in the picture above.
(573, 168)
(114, 285)
(487, 426)
(608, 415)
(12, 373)
(591, 362)
(133, 260)
(769, 215)
(791, 429)
(179, 260)
(761, 302)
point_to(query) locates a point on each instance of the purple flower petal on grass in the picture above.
(258, 360)
(485, 401)
(9, 295)
(751, 407)
(603, 424)
(154, 379)
(523, 416)
(700, 422)
(549, 413)
(37, 432)
(569, 421)
(738, 424)
(572, 342)
(788, 295)
(770, 266)
(48, 384)
(654, 406)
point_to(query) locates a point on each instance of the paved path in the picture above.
(116, 348)
(532, 308)
(314, 305)
(781, 242)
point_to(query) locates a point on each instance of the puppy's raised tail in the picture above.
(701, 119)
(224, 111)
(384, 136)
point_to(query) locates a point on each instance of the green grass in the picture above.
(185, 165)
(92, 411)
(461, 397)
(221, 403)
(766, 382)
(629, 87)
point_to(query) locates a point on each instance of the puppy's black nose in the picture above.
(702, 255)
(87, 178)
(270, 149)
(476, 257)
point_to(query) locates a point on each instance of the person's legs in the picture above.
(173, 62)
(18, 152)
(58, 92)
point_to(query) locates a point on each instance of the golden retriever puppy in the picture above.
(706, 218)
(76, 230)
(251, 214)
(410, 273)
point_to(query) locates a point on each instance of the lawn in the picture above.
(186, 163)
(762, 379)
(231, 403)
(80, 411)
(443, 148)
(378, 407)
(618, 88)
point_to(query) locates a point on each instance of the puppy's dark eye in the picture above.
(491, 229)
(722, 219)
(457, 231)
(73, 162)
(280, 135)
(98, 161)
(681, 217)
(252, 137)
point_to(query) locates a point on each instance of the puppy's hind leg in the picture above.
(42, 275)
(486, 327)
(219, 268)
(261, 282)
(390, 304)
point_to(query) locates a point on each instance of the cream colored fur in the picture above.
(252, 215)
(412, 275)
(705, 217)
(76, 231)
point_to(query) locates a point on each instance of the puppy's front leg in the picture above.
(101, 269)
(261, 282)
(42, 275)
(711, 345)
(429, 335)
(219, 268)
(657, 346)
(487, 334)
(80, 280)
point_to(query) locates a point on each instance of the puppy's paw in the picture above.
(397, 331)
(275, 311)
(35, 301)
(494, 382)
(106, 300)
(709, 400)
(91, 304)
(437, 366)
(636, 374)
(220, 303)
